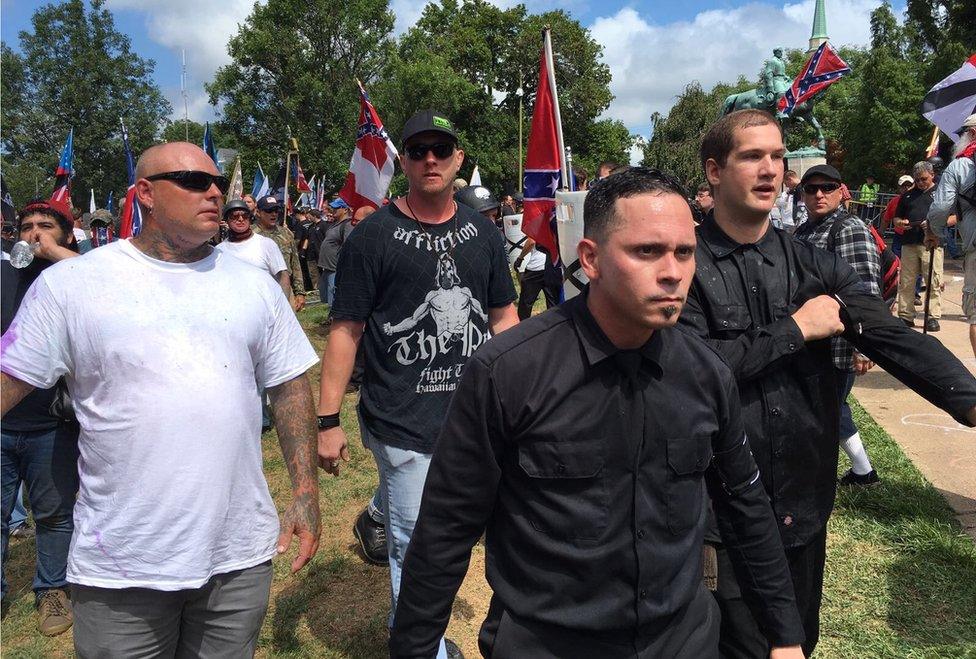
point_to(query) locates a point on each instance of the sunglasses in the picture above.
(441, 150)
(193, 180)
(826, 188)
(239, 215)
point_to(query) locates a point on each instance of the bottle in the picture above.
(22, 253)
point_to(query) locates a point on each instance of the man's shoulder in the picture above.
(698, 351)
(521, 342)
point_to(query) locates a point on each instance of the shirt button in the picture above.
(725, 323)
(792, 347)
(788, 520)
(755, 289)
(640, 534)
(775, 411)
(642, 594)
(561, 468)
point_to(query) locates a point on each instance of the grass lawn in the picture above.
(900, 582)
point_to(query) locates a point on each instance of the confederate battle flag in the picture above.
(372, 164)
(824, 68)
(542, 169)
(130, 221)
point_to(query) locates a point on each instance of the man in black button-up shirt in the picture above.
(581, 443)
(769, 304)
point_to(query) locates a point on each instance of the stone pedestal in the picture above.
(803, 159)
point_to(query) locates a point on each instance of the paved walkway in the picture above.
(943, 450)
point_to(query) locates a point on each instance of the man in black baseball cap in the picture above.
(428, 121)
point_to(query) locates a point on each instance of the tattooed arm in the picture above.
(295, 423)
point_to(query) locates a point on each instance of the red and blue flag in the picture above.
(373, 160)
(824, 68)
(542, 170)
(65, 171)
(208, 144)
(131, 217)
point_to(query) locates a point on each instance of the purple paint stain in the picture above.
(101, 548)
(8, 338)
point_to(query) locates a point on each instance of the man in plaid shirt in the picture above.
(832, 228)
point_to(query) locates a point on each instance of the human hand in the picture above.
(819, 318)
(862, 364)
(931, 240)
(388, 329)
(298, 303)
(47, 248)
(901, 222)
(332, 449)
(790, 652)
(301, 519)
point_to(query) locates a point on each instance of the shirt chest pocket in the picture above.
(567, 494)
(729, 318)
(687, 461)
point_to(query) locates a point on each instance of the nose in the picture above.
(670, 270)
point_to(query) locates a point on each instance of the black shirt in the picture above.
(741, 301)
(33, 412)
(914, 206)
(424, 291)
(586, 467)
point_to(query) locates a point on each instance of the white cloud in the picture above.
(200, 27)
(651, 64)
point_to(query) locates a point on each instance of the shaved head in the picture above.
(174, 156)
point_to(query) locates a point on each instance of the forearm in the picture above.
(338, 361)
(502, 318)
(284, 280)
(750, 536)
(12, 391)
(295, 423)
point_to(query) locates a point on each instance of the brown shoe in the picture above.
(53, 612)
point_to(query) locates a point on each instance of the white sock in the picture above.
(854, 449)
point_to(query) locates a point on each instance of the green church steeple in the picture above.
(819, 32)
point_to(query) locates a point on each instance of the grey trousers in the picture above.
(221, 619)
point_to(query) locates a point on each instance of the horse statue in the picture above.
(773, 83)
(801, 112)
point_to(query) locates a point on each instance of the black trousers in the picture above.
(740, 637)
(533, 282)
(690, 634)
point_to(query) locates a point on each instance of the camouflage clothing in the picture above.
(285, 240)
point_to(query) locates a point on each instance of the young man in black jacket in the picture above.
(769, 304)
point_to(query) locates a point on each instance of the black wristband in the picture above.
(327, 421)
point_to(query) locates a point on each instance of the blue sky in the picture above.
(653, 47)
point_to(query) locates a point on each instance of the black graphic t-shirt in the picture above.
(424, 292)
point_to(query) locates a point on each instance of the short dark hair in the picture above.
(599, 209)
(720, 138)
(705, 187)
(609, 164)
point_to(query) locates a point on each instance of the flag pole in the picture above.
(551, 70)
(933, 144)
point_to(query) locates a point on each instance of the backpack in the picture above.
(890, 263)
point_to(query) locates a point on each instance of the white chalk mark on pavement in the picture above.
(942, 422)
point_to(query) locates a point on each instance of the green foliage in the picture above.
(75, 70)
(293, 70)
(870, 118)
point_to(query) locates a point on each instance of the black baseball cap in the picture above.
(427, 121)
(268, 204)
(823, 170)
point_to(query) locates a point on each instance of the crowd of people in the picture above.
(630, 506)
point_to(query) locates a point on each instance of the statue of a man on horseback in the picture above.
(773, 83)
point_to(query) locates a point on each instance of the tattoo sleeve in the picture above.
(295, 423)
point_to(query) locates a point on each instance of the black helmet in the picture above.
(477, 197)
(235, 205)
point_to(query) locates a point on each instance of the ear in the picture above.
(712, 171)
(588, 252)
(459, 155)
(144, 193)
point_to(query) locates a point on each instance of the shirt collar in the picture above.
(721, 245)
(598, 347)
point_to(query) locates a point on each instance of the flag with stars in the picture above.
(130, 219)
(373, 160)
(65, 171)
(824, 68)
(542, 170)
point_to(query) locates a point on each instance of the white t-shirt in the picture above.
(259, 251)
(165, 363)
(535, 260)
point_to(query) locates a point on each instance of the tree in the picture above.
(293, 71)
(76, 70)
(470, 59)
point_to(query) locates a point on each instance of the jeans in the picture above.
(18, 517)
(402, 477)
(951, 248)
(47, 462)
(845, 382)
(327, 286)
